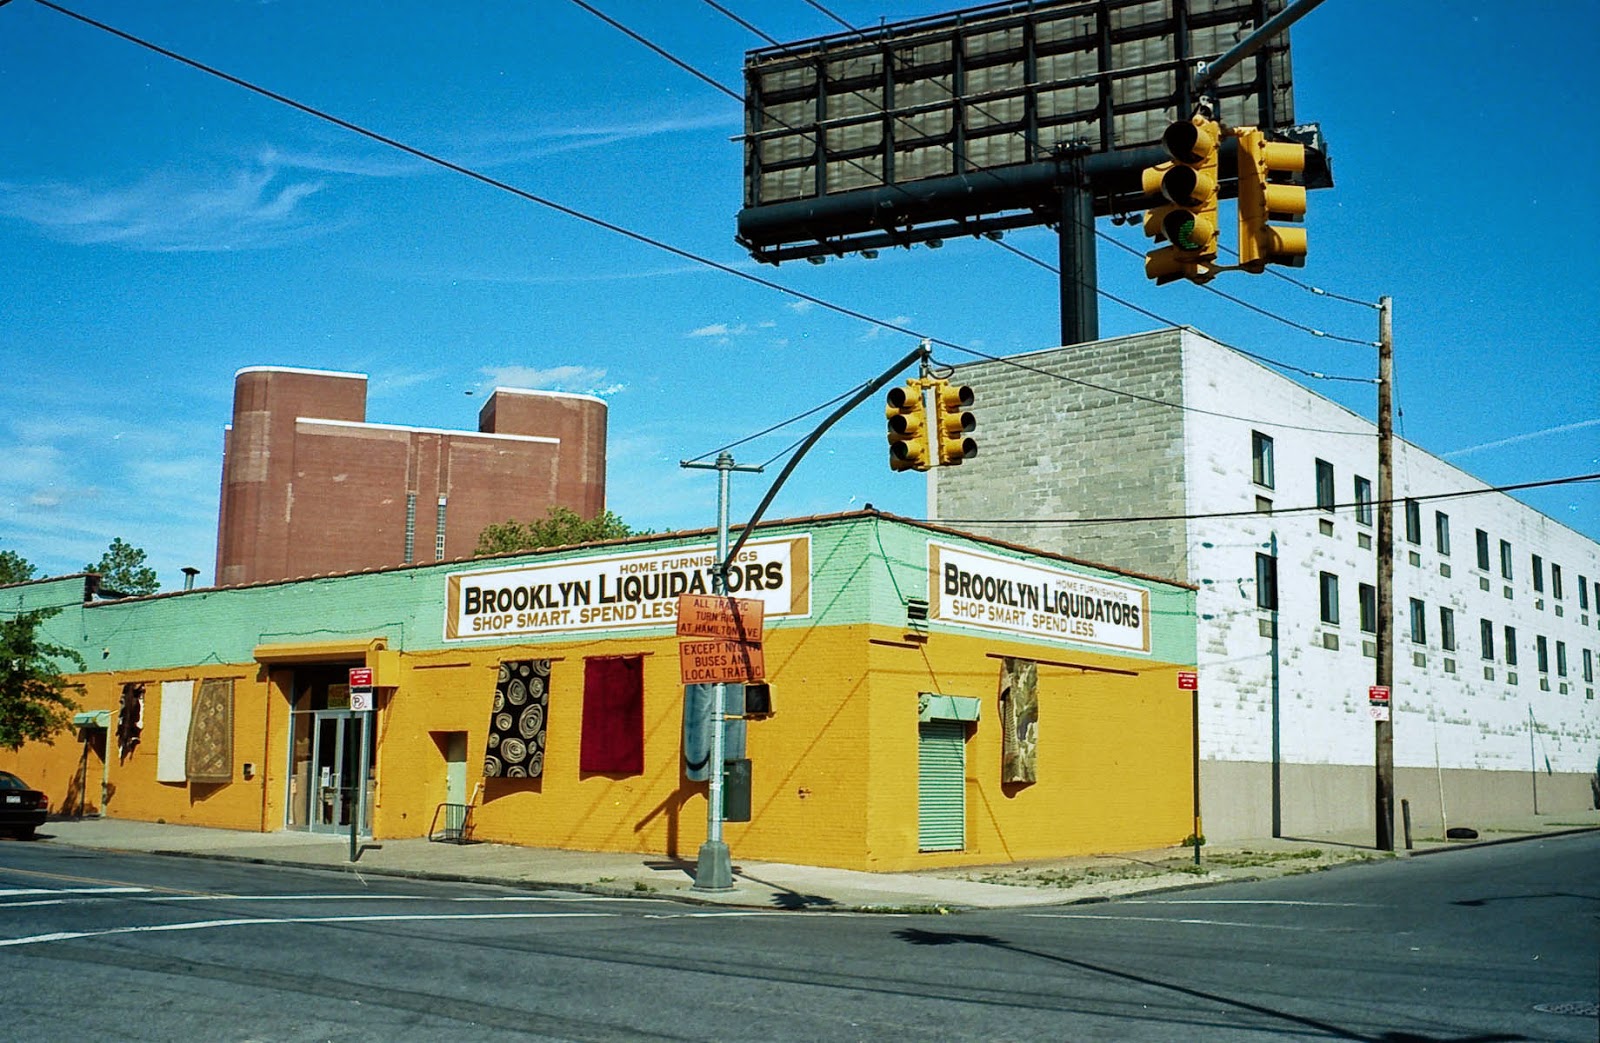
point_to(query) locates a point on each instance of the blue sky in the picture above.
(160, 229)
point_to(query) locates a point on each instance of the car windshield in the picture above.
(10, 781)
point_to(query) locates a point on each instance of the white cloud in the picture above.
(1529, 436)
(721, 330)
(580, 379)
(501, 146)
(876, 331)
(245, 209)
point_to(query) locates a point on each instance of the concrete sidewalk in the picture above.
(773, 885)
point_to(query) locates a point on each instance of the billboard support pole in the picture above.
(1080, 306)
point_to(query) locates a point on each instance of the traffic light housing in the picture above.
(955, 422)
(1261, 199)
(908, 428)
(1187, 219)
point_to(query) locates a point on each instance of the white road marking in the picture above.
(95, 892)
(206, 925)
(1248, 901)
(1190, 921)
(10, 892)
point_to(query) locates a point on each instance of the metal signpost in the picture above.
(1189, 681)
(714, 869)
(361, 702)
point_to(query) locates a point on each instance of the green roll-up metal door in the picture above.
(941, 786)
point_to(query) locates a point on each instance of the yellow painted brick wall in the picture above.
(1114, 760)
(134, 792)
(809, 760)
(835, 771)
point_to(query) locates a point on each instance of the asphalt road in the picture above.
(1459, 946)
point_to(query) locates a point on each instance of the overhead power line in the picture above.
(639, 237)
(824, 10)
(1278, 511)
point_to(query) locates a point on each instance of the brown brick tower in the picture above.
(310, 488)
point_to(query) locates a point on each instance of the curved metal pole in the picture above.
(923, 351)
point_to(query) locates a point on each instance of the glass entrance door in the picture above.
(335, 771)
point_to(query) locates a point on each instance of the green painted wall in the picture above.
(863, 569)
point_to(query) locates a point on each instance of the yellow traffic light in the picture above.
(908, 428)
(1188, 217)
(955, 423)
(1260, 200)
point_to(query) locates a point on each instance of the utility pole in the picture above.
(1384, 735)
(714, 870)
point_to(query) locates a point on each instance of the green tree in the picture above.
(560, 528)
(123, 570)
(14, 568)
(34, 700)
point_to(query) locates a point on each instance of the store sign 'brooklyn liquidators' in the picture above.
(982, 590)
(621, 591)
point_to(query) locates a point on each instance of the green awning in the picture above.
(931, 707)
(92, 719)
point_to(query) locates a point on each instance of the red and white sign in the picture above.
(1378, 694)
(1380, 711)
(1188, 681)
(361, 677)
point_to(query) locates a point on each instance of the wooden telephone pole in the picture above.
(1384, 788)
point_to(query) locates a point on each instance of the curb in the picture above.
(1519, 838)
(445, 877)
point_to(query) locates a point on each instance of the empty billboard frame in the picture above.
(959, 123)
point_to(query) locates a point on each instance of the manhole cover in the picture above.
(1581, 1008)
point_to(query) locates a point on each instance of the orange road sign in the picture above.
(713, 661)
(713, 615)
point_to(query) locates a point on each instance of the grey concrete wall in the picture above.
(1236, 798)
(1057, 448)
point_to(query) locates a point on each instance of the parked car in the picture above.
(22, 809)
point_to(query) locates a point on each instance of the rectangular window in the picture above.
(1511, 646)
(1325, 485)
(1330, 597)
(612, 741)
(1261, 471)
(1588, 667)
(1413, 522)
(1419, 622)
(1447, 628)
(1555, 581)
(1486, 638)
(1363, 501)
(1441, 533)
(1583, 593)
(1483, 550)
(1369, 608)
(1541, 649)
(1505, 560)
(1266, 582)
(438, 537)
(1561, 659)
(1538, 574)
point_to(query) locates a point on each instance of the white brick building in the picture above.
(1497, 607)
